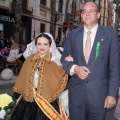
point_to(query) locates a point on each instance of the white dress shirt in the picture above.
(92, 35)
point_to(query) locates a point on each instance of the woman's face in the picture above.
(42, 46)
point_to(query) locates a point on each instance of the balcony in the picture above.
(25, 8)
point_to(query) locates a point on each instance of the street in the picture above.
(8, 89)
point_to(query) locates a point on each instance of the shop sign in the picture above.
(6, 18)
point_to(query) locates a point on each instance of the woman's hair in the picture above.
(45, 36)
(14, 46)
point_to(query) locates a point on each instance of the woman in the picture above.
(42, 75)
(4, 52)
(14, 53)
(14, 56)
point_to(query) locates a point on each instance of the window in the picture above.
(42, 27)
(43, 2)
(23, 34)
(60, 5)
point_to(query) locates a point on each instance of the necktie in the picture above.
(87, 47)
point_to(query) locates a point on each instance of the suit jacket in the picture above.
(104, 77)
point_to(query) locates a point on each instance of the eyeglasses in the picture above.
(84, 11)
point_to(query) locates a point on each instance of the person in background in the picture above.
(1, 40)
(22, 50)
(12, 40)
(4, 52)
(91, 57)
(14, 56)
(42, 74)
(57, 41)
(7, 43)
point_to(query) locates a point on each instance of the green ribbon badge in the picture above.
(97, 51)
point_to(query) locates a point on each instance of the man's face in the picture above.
(89, 14)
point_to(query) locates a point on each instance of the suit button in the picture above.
(86, 81)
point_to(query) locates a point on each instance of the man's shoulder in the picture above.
(107, 29)
(75, 31)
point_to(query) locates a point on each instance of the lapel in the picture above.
(79, 43)
(98, 38)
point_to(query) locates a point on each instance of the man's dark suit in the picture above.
(89, 94)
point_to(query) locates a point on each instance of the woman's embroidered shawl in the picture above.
(52, 78)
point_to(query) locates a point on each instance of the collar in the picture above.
(93, 30)
(47, 57)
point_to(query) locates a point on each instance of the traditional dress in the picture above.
(47, 78)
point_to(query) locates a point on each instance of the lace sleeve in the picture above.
(64, 99)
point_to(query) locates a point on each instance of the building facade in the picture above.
(105, 7)
(7, 19)
(48, 16)
(74, 9)
(57, 17)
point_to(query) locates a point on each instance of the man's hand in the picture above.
(109, 102)
(82, 71)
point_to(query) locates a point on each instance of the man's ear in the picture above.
(99, 15)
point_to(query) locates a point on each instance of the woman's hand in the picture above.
(69, 59)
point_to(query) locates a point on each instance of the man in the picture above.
(94, 71)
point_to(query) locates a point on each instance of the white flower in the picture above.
(6, 102)
(2, 113)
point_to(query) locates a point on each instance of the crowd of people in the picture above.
(7, 42)
(11, 52)
(90, 57)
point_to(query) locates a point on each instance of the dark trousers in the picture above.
(87, 111)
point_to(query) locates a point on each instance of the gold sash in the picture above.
(48, 109)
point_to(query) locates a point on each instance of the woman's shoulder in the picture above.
(28, 62)
(30, 57)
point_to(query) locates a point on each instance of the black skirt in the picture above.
(31, 111)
